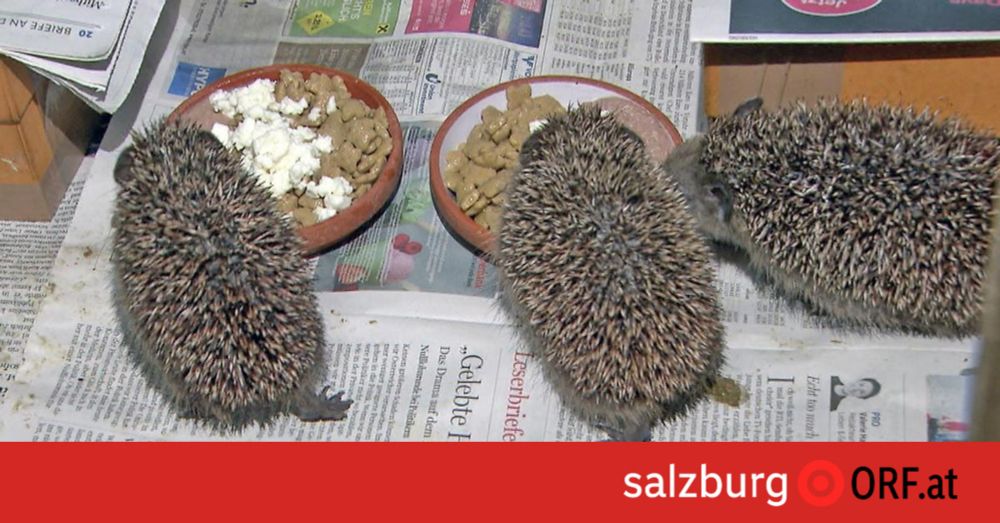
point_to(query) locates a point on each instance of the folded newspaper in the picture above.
(414, 335)
(92, 47)
(834, 21)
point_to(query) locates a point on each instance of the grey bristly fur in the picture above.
(604, 273)
(876, 215)
(212, 292)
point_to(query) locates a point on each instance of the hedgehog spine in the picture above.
(211, 288)
(606, 277)
(876, 215)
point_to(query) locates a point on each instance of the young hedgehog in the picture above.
(212, 290)
(878, 216)
(605, 274)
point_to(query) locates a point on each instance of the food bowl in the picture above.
(646, 120)
(322, 235)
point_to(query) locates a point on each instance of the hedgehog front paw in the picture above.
(322, 406)
(187, 412)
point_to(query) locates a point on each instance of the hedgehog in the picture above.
(876, 216)
(211, 288)
(606, 278)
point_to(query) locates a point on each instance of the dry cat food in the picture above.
(313, 145)
(479, 170)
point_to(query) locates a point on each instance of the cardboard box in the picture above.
(25, 153)
(15, 90)
(958, 79)
(44, 133)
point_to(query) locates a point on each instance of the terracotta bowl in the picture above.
(325, 234)
(646, 120)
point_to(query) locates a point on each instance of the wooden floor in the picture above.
(956, 79)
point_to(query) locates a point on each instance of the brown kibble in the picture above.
(455, 159)
(508, 155)
(478, 174)
(361, 142)
(489, 218)
(309, 202)
(377, 166)
(384, 147)
(359, 135)
(465, 187)
(352, 109)
(288, 202)
(319, 84)
(485, 162)
(491, 114)
(368, 177)
(518, 135)
(467, 199)
(335, 129)
(322, 100)
(493, 186)
(328, 167)
(453, 179)
(347, 157)
(478, 206)
(304, 119)
(501, 134)
(380, 118)
(517, 95)
(373, 145)
(483, 152)
(340, 92)
(290, 85)
(547, 106)
(304, 217)
(494, 122)
(473, 148)
(365, 165)
(494, 160)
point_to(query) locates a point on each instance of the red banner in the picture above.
(516, 482)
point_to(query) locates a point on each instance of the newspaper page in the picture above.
(642, 46)
(443, 377)
(415, 336)
(838, 21)
(27, 252)
(103, 80)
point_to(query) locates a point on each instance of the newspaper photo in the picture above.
(415, 335)
(834, 21)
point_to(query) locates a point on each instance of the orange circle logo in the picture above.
(820, 483)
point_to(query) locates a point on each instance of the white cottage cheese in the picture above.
(281, 156)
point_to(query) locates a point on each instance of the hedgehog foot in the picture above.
(321, 407)
(634, 432)
(187, 410)
(188, 413)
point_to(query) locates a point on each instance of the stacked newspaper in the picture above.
(92, 47)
